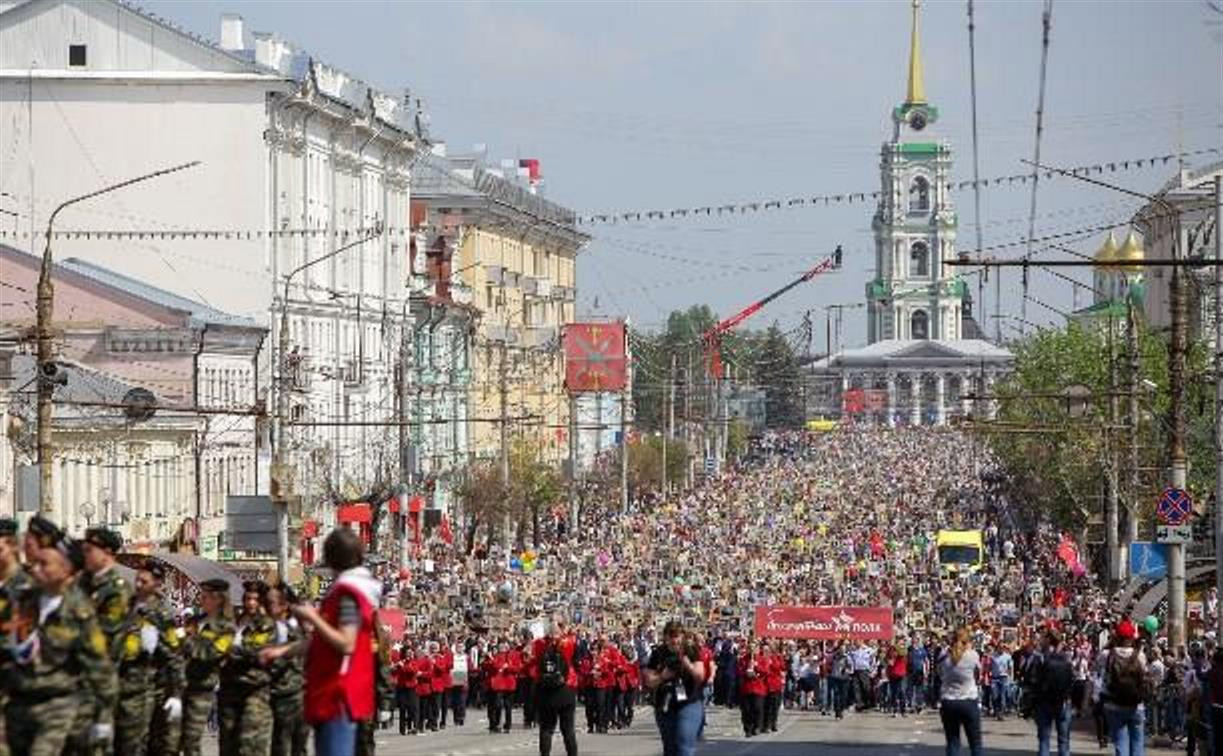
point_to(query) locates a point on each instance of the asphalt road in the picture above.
(800, 734)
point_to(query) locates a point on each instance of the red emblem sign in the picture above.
(824, 622)
(595, 357)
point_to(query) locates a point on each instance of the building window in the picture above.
(919, 260)
(919, 195)
(76, 55)
(919, 325)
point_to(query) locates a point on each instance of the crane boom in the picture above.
(713, 337)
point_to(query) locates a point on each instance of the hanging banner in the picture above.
(595, 357)
(825, 622)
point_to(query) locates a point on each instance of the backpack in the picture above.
(1127, 682)
(553, 671)
(1054, 681)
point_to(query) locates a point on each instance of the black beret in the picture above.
(104, 539)
(8, 526)
(155, 569)
(215, 585)
(45, 532)
(71, 549)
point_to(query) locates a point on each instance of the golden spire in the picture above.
(917, 89)
(1107, 251)
(1131, 252)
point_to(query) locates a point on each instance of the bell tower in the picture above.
(915, 295)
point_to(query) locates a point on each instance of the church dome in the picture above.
(1107, 251)
(1132, 254)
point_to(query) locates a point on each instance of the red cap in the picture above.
(1126, 629)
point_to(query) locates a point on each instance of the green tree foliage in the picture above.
(1059, 463)
(645, 462)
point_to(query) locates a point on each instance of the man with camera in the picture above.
(675, 676)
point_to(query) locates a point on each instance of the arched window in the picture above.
(919, 195)
(919, 325)
(919, 259)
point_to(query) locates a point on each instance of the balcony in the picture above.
(537, 287)
(351, 372)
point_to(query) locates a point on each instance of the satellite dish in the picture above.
(139, 404)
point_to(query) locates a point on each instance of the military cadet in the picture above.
(13, 580)
(149, 657)
(244, 704)
(112, 600)
(60, 660)
(204, 653)
(288, 716)
(384, 694)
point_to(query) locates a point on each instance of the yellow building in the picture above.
(518, 256)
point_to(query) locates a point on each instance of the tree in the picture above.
(1060, 464)
(776, 369)
(645, 462)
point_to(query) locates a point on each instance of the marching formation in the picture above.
(658, 605)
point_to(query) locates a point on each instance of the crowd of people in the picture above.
(654, 605)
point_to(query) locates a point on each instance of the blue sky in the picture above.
(662, 105)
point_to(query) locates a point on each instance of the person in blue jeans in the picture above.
(675, 676)
(1052, 681)
(1125, 668)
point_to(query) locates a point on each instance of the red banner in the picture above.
(392, 622)
(595, 357)
(824, 622)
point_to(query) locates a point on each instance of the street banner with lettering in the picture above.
(825, 622)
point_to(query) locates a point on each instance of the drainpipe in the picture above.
(199, 450)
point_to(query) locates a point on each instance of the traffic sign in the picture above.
(1173, 534)
(1175, 507)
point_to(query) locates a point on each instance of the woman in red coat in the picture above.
(752, 688)
(425, 716)
(502, 683)
(403, 670)
(775, 685)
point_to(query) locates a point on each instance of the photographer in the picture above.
(675, 675)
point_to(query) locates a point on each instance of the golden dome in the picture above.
(1131, 252)
(1107, 251)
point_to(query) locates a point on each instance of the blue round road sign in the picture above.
(1175, 507)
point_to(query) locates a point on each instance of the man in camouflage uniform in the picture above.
(112, 602)
(244, 700)
(285, 667)
(59, 656)
(149, 656)
(13, 580)
(166, 686)
(205, 651)
(384, 694)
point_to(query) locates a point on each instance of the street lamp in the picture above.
(44, 310)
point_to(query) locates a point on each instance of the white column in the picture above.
(990, 404)
(940, 395)
(891, 399)
(965, 387)
(915, 386)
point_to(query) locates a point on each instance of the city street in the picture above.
(799, 734)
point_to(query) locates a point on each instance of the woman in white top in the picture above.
(959, 708)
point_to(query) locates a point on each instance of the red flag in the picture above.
(445, 532)
(1068, 552)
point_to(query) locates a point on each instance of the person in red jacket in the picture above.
(752, 688)
(501, 688)
(403, 670)
(608, 664)
(443, 663)
(628, 680)
(425, 717)
(775, 685)
(556, 684)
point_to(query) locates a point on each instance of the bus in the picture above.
(960, 550)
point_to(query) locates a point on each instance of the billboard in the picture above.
(1148, 561)
(855, 401)
(595, 357)
(824, 622)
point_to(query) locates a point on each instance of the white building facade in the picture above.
(297, 160)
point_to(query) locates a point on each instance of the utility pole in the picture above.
(1176, 440)
(624, 451)
(46, 372)
(1131, 499)
(691, 458)
(1219, 389)
(503, 390)
(669, 431)
(1110, 504)
(574, 477)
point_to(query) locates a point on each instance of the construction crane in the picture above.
(713, 337)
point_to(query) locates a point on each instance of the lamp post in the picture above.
(280, 476)
(43, 312)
